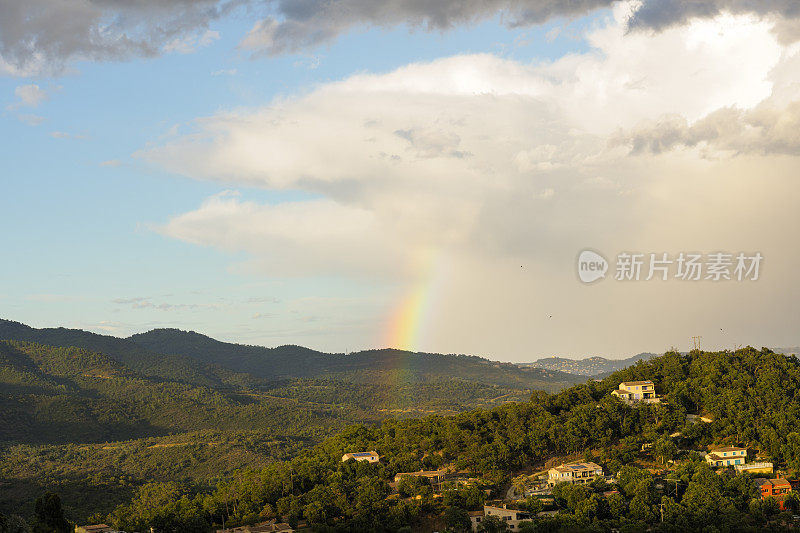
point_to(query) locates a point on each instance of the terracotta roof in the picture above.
(779, 482)
(729, 449)
(648, 382)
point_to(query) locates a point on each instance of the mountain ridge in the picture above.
(588, 366)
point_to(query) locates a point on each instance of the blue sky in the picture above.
(124, 211)
(81, 207)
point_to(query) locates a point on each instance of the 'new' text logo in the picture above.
(591, 266)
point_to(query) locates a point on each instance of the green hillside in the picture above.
(169, 367)
(753, 397)
(367, 366)
(63, 395)
(84, 423)
(193, 358)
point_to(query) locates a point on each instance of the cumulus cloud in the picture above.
(762, 130)
(470, 122)
(293, 239)
(503, 171)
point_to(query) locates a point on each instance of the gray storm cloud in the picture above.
(42, 36)
(660, 14)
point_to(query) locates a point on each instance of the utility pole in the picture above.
(676, 485)
(696, 341)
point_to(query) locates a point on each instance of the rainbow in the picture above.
(409, 325)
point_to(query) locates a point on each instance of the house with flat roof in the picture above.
(511, 517)
(370, 457)
(727, 456)
(574, 473)
(637, 391)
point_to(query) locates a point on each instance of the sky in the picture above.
(354, 174)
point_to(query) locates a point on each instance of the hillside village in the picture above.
(535, 497)
(631, 451)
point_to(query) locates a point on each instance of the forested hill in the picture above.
(172, 367)
(94, 417)
(295, 361)
(194, 358)
(753, 397)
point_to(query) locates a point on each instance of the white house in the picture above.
(574, 473)
(637, 391)
(370, 457)
(727, 456)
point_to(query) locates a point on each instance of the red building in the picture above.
(777, 488)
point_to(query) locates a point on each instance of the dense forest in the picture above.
(753, 397)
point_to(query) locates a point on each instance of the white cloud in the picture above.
(30, 95)
(509, 169)
(292, 239)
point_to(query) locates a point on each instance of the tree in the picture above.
(49, 515)
(639, 510)
(457, 519)
(493, 524)
(618, 507)
(792, 502)
(534, 505)
(770, 507)
(13, 524)
(664, 449)
(413, 485)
